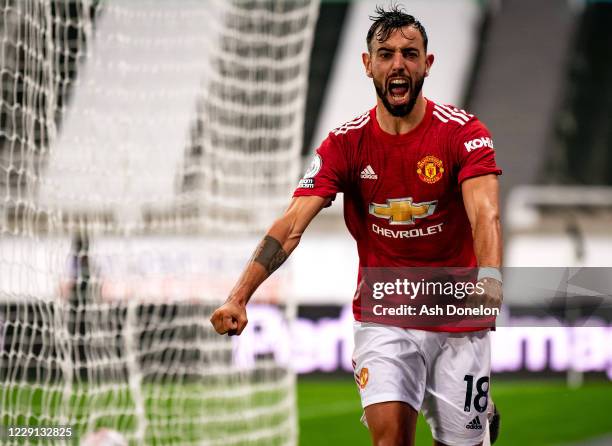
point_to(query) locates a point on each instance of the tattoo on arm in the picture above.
(270, 254)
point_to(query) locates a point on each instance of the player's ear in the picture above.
(429, 60)
(367, 63)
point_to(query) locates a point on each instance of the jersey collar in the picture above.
(399, 139)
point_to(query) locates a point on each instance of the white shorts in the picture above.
(444, 375)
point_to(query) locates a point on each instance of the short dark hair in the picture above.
(387, 21)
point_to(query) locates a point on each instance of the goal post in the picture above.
(143, 145)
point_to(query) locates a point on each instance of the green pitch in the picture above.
(533, 413)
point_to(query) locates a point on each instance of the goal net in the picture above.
(142, 145)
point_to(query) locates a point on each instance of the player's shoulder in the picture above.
(451, 117)
(461, 128)
(353, 127)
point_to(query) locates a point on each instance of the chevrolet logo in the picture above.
(401, 211)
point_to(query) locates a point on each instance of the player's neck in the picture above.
(398, 126)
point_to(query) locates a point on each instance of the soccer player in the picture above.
(420, 190)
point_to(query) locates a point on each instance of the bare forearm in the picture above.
(269, 255)
(281, 239)
(481, 199)
(231, 317)
(488, 239)
(272, 251)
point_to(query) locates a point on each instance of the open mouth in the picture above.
(398, 89)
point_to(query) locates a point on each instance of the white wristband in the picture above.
(489, 272)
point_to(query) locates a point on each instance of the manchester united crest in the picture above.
(430, 169)
(364, 374)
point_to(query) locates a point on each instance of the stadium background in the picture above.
(533, 72)
(537, 73)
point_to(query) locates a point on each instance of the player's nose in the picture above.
(398, 62)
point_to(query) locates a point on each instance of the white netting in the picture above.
(134, 137)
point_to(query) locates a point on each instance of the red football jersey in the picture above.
(402, 193)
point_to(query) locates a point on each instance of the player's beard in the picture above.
(399, 111)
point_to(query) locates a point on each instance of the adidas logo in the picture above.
(368, 173)
(474, 424)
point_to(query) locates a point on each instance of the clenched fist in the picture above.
(492, 297)
(229, 318)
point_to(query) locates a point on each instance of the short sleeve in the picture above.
(475, 151)
(326, 173)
